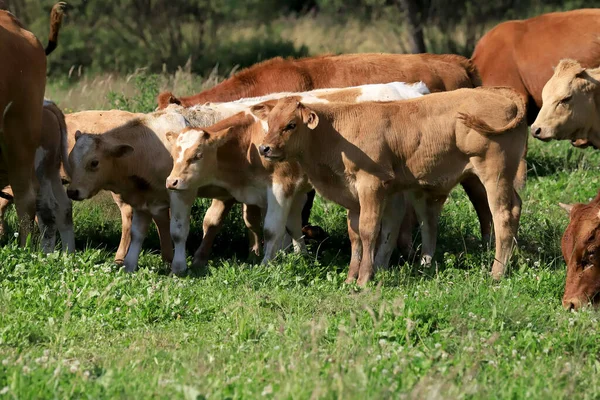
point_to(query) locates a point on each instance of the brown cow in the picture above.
(580, 246)
(571, 109)
(438, 72)
(23, 81)
(521, 54)
(361, 155)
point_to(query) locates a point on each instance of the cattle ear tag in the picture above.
(566, 207)
(78, 135)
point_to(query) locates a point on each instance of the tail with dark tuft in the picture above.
(56, 18)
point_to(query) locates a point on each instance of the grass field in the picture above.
(76, 327)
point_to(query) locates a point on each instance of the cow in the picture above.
(361, 155)
(438, 72)
(571, 109)
(530, 48)
(580, 247)
(23, 81)
(224, 156)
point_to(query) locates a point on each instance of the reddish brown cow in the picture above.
(439, 72)
(581, 249)
(521, 54)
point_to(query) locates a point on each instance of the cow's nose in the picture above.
(536, 131)
(73, 194)
(172, 183)
(264, 150)
(572, 304)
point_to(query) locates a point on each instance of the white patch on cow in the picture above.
(187, 140)
(167, 122)
(313, 99)
(391, 91)
(264, 124)
(83, 146)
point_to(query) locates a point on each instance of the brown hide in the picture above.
(521, 54)
(580, 247)
(439, 72)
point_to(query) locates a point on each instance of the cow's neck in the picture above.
(228, 90)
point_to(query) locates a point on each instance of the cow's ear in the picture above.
(309, 117)
(262, 110)
(119, 150)
(78, 134)
(566, 207)
(172, 137)
(218, 138)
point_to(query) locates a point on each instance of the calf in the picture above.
(571, 108)
(361, 155)
(580, 247)
(224, 156)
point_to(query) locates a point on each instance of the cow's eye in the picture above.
(290, 126)
(565, 100)
(94, 164)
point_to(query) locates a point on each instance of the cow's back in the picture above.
(522, 54)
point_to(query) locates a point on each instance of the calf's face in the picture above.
(93, 164)
(194, 154)
(288, 122)
(568, 106)
(581, 250)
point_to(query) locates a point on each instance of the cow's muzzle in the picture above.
(174, 184)
(538, 133)
(74, 194)
(269, 153)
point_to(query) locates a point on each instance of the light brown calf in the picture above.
(361, 155)
(580, 247)
(571, 109)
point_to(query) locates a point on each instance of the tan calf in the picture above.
(361, 155)
(224, 156)
(571, 108)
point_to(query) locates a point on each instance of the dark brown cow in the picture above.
(438, 72)
(581, 249)
(521, 54)
(22, 85)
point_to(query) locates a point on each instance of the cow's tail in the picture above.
(472, 72)
(164, 99)
(64, 139)
(483, 127)
(56, 18)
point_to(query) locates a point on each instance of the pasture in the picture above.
(76, 327)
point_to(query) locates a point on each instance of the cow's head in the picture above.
(288, 121)
(93, 163)
(581, 249)
(194, 154)
(569, 110)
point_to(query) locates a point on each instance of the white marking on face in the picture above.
(167, 122)
(82, 147)
(187, 140)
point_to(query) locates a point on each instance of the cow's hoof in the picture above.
(199, 263)
(350, 280)
(179, 268)
(130, 269)
(362, 281)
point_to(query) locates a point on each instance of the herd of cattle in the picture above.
(387, 136)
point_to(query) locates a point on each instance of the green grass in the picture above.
(76, 327)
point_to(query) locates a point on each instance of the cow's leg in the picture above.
(139, 229)
(4, 203)
(126, 217)
(393, 213)
(478, 197)
(211, 225)
(46, 203)
(428, 209)
(64, 216)
(355, 245)
(163, 225)
(253, 219)
(405, 237)
(505, 205)
(371, 211)
(278, 208)
(181, 208)
(307, 207)
(294, 222)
